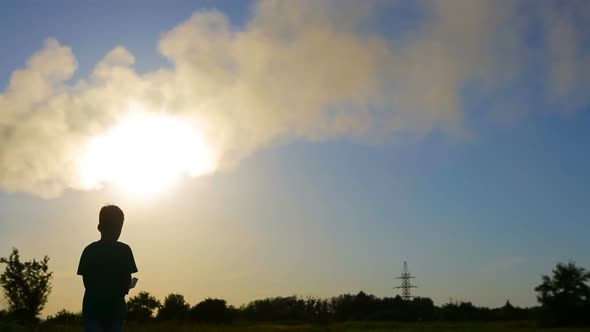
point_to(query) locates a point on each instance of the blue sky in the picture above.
(481, 196)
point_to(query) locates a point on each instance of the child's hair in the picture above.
(111, 218)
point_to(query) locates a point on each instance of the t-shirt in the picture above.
(105, 266)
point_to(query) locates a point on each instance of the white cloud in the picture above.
(297, 70)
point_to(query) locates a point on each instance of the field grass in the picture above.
(343, 327)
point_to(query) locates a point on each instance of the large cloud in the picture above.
(298, 70)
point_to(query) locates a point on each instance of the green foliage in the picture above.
(142, 306)
(565, 296)
(174, 308)
(26, 285)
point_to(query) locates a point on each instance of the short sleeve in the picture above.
(131, 267)
(83, 265)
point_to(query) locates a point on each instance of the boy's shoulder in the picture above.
(97, 244)
(91, 246)
(122, 244)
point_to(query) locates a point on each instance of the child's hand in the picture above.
(133, 282)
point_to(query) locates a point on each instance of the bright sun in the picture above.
(145, 153)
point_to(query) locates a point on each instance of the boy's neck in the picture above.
(107, 238)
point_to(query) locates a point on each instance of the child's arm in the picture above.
(85, 280)
(131, 268)
(125, 282)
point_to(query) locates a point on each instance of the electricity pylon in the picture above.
(406, 284)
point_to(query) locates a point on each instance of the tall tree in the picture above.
(26, 285)
(211, 310)
(565, 296)
(174, 308)
(141, 307)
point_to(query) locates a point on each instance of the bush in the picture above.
(65, 317)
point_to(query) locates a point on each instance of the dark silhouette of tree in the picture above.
(65, 317)
(26, 285)
(317, 310)
(565, 296)
(275, 309)
(213, 311)
(462, 311)
(288, 308)
(369, 307)
(510, 312)
(466, 311)
(346, 307)
(421, 309)
(353, 307)
(142, 306)
(174, 308)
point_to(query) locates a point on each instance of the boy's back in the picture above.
(106, 266)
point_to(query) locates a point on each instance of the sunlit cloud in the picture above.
(298, 70)
(144, 153)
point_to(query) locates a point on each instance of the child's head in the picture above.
(110, 222)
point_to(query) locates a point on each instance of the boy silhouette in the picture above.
(106, 267)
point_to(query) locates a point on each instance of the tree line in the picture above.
(347, 307)
(564, 299)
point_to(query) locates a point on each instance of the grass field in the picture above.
(344, 327)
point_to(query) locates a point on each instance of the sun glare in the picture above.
(145, 153)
